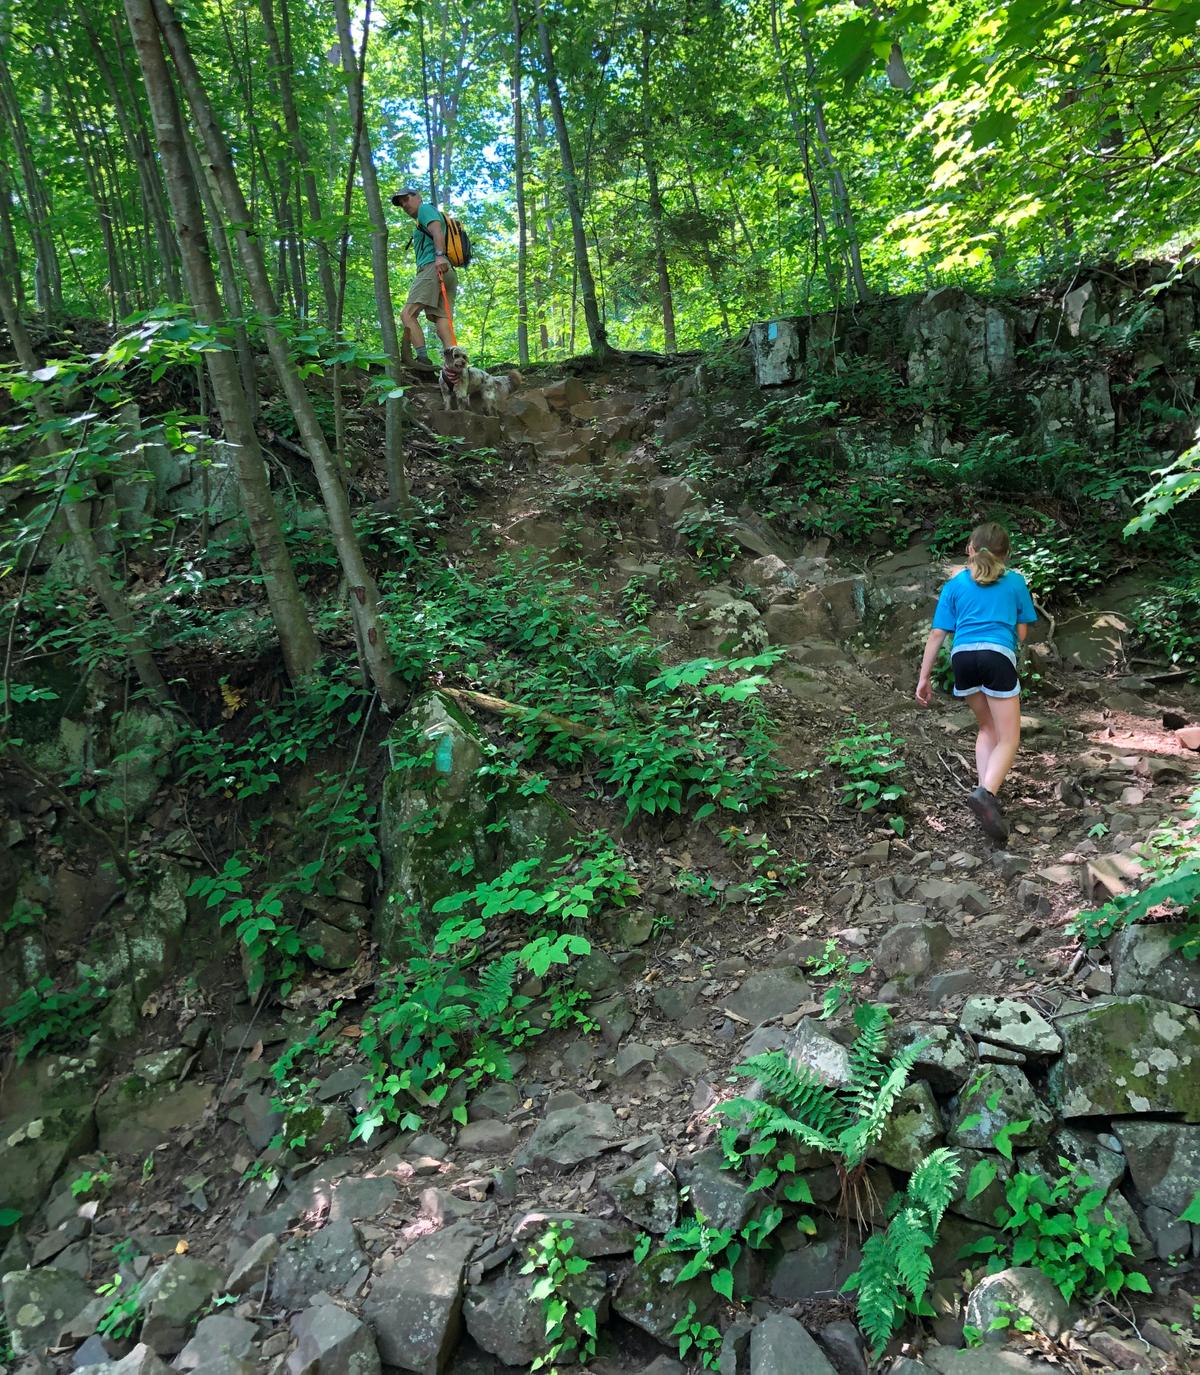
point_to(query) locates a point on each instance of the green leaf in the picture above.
(1192, 1212)
(981, 1176)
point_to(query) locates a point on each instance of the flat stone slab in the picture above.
(571, 1136)
(1012, 1023)
(768, 996)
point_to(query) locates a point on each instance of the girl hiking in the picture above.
(988, 609)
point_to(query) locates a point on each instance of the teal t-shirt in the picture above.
(423, 242)
(984, 617)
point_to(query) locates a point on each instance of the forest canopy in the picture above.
(729, 159)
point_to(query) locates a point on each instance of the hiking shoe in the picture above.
(987, 812)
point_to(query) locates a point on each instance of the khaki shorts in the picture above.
(426, 291)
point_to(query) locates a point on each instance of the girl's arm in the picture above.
(925, 681)
(1022, 631)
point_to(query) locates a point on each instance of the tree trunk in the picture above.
(433, 194)
(364, 596)
(393, 416)
(110, 596)
(519, 179)
(822, 249)
(301, 651)
(656, 207)
(841, 197)
(714, 271)
(591, 312)
(47, 273)
(282, 63)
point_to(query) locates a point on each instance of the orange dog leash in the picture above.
(446, 303)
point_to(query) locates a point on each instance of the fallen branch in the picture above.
(498, 706)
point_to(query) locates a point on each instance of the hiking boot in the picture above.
(987, 812)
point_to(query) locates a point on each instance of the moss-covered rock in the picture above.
(1131, 1055)
(445, 825)
(34, 1152)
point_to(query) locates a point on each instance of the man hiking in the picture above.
(433, 272)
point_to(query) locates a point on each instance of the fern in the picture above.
(496, 979)
(842, 1121)
(896, 1265)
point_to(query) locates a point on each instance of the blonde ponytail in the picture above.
(987, 553)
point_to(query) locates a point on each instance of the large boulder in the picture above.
(1164, 1162)
(1143, 961)
(326, 1260)
(651, 1297)
(330, 1341)
(998, 1098)
(134, 1116)
(777, 348)
(780, 1346)
(647, 1194)
(33, 1154)
(1131, 1055)
(442, 818)
(172, 1297)
(415, 1307)
(39, 1305)
(506, 1321)
(1022, 1291)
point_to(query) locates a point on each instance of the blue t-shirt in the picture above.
(984, 617)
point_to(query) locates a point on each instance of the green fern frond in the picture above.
(909, 1240)
(934, 1182)
(875, 1281)
(495, 987)
(794, 1087)
(867, 1068)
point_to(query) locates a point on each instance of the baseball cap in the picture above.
(400, 195)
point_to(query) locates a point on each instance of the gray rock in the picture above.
(777, 348)
(1015, 1101)
(946, 1059)
(810, 1047)
(1012, 1023)
(914, 1128)
(570, 1137)
(162, 1066)
(1167, 1235)
(222, 1344)
(912, 948)
(675, 1000)
(615, 1019)
(987, 1360)
(647, 1194)
(1133, 1055)
(250, 1268)
(326, 1259)
(842, 1341)
(1164, 1162)
(424, 864)
(330, 1341)
(597, 973)
(817, 1268)
(487, 1138)
(684, 1063)
(415, 1306)
(503, 1318)
(769, 995)
(632, 1057)
(982, 1208)
(39, 1305)
(1011, 1293)
(495, 1101)
(506, 1321)
(780, 1346)
(720, 1194)
(140, 1361)
(651, 1298)
(33, 1154)
(951, 984)
(1144, 962)
(172, 1297)
(134, 1117)
(594, 1236)
(444, 1208)
(1104, 1166)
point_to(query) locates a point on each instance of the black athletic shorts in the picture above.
(984, 670)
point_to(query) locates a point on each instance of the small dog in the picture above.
(460, 383)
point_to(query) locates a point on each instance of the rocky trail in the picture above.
(405, 1253)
